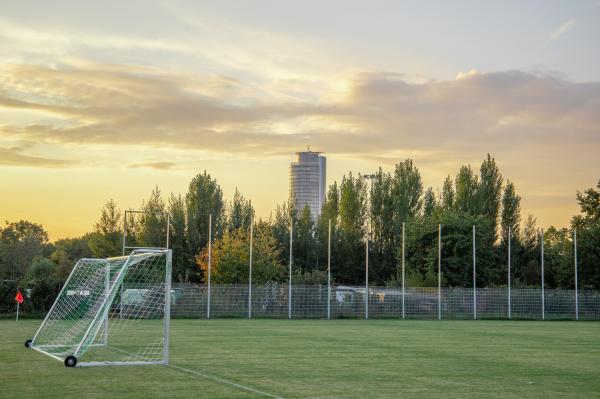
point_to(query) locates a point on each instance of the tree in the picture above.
(383, 216)
(395, 199)
(352, 214)
(230, 257)
(131, 228)
(558, 258)
(457, 249)
(466, 199)
(588, 236)
(511, 211)
(329, 212)
(527, 270)
(152, 224)
(490, 190)
(67, 252)
(331, 206)
(421, 250)
(43, 281)
(588, 252)
(240, 212)
(20, 242)
(178, 239)
(429, 202)
(353, 201)
(589, 202)
(106, 241)
(457, 228)
(280, 226)
(447, 196)
(305, 245)
(406, 191)
(204, 198)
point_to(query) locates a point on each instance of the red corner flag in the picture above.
(19, 299)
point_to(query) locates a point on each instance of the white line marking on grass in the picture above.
(224, 381)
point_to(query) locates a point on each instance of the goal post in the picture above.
(112, 311)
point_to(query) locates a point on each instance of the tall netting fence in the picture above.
(311, 301)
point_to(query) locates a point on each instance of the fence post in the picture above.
(509, 304)
(367, 274)
(474, 278)
(250, 271)
(403, 309)
(543, 296)
(209, 264)
(440, 271)
(329, 272)
(290, 272)
(106, 293)
(576, 282)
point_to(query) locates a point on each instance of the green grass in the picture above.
(330, 359)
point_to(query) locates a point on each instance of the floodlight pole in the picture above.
(250, 270)
(576, 286)
(509, 297)
(474, 278)
(329, 272)
(403, 294)
(290, 271)
(542, 267)
(209, 264)
(440, 271)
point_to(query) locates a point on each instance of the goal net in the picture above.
(111, 311)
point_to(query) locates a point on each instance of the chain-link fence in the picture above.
(271, 300)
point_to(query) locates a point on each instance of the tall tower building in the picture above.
(307, 181)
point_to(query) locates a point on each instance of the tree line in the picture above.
(354, 206)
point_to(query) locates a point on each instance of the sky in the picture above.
(102, 100)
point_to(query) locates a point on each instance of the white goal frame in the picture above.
(84, 324)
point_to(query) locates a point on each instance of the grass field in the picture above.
(329, 359)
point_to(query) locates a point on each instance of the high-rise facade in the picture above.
(307, 181)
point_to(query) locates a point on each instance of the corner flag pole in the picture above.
(19, 299)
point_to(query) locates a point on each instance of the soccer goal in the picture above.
(111, 311)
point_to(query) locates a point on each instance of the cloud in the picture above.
(464, 75)
(561, 30)
(377, 115)
(153, 165)
(186, 38)
(13, 156)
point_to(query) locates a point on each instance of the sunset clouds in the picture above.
(131, 105)
(14, 156)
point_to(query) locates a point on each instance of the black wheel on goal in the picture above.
(28, 343)
(70, 361)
